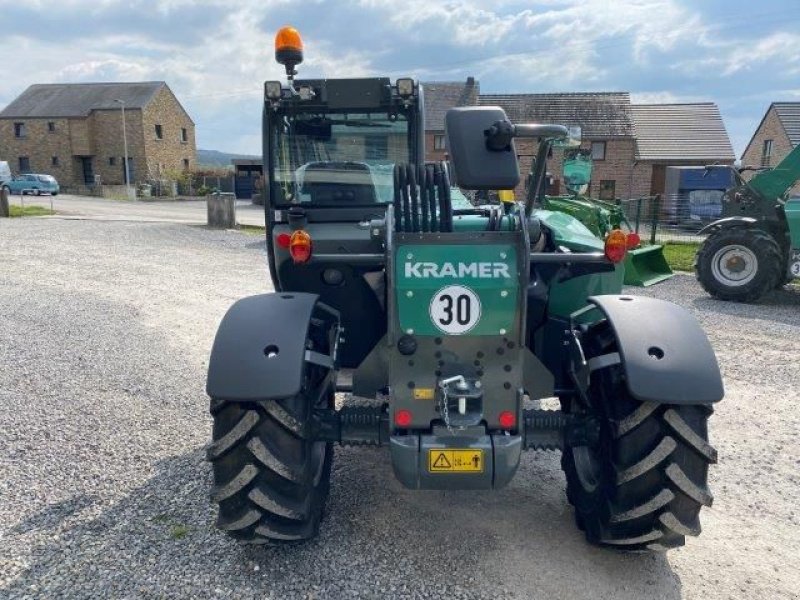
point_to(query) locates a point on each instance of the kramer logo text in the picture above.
(479, 270)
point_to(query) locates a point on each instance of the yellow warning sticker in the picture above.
(455, 461)
(424, 393)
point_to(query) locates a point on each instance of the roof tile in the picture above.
(60, 100)
(598, 114)
(681, 132)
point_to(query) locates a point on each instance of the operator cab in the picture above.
(330, 151)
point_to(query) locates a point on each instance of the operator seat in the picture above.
(339, 182)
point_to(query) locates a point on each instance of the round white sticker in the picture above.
(795, 269)
(455, 309)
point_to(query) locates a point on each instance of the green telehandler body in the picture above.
(446, 323)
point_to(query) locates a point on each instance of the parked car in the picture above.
(32, 183)
(5, 172)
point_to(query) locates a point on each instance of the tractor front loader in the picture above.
(755, 246)
(644, 265)
(444, 320)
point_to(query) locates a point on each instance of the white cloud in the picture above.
(215, 54)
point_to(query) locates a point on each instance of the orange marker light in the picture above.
(288, 47)
(616, 246)
(300, 246)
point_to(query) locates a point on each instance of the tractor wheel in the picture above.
(739, 264)
(641, 487)
(270, 480)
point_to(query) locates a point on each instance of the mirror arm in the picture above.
(538, 173)
(541, 131)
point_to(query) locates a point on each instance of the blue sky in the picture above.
(215, 53)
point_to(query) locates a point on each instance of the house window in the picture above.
(24, 164)
(54, 161)
(51, 127)
(766, 153)
(112, 160)
(608, 189)
(598, 150)
(439, 142)
(184, 135)
(19, 130)
(185, 164)
(159, 132)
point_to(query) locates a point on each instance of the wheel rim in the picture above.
(734, 265)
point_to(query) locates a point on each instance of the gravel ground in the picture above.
(104, 339)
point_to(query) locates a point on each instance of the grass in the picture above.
(252, 229)
(178, 532)
(30, 210)
(680, 255)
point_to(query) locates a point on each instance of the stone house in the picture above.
(776, 136)
(74, 132)
(675, 135)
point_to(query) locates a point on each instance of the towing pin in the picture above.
(462, 405)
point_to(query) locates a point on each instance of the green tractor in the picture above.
(755, 246)
(444, 322)
(644, 265)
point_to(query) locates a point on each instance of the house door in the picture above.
(88, 170)
(130, 172)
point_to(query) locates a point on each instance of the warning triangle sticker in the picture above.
(441, 462)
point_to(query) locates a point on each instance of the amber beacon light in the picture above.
(289, 49)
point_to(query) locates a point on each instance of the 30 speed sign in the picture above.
(455, 309)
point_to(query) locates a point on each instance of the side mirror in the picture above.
(476, 166)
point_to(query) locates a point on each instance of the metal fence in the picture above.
(192, 186)
(668, 219)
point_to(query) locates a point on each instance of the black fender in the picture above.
(664, 352)
(728, 223)
(260, 349)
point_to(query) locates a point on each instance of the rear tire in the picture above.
(642, 487)
(739, 264)
(271, 479)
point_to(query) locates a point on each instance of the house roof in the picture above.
(681, 132)
(60, 100)
(599, 114)
(441, 96)
(789, 114)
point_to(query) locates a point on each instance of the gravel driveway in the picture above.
(104, 339)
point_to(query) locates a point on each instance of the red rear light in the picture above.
(402, 418)
(507, 419)
(283, 239)
(300, 246)
(633, 240)
(616, 246)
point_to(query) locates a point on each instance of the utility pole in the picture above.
(125, 145)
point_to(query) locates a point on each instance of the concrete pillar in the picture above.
(221, 210)
(4, 209)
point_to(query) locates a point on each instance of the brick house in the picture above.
(776, 136)
(679, 135)
(439, 97)
(606, 131)
(74, 132)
